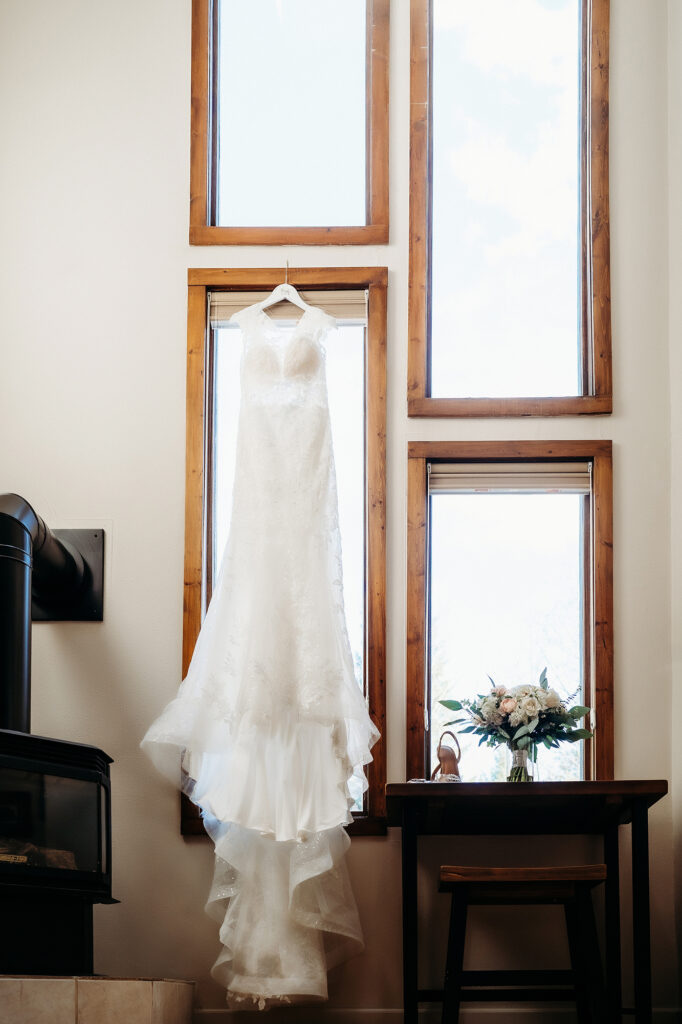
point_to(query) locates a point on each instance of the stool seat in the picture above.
(451, 874)
(568, 885)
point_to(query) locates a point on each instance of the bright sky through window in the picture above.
(506, 198)
(292, 113)
(506, 601)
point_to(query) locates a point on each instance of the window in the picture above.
(356, 377)
(509, 265)
(289, 122)
(509, 569)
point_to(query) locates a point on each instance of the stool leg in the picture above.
(591, 954)
(452, 989)
(582, 995)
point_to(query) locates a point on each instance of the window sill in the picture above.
(367, 234)
(577, 405)
(364, 825)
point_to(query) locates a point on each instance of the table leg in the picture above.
(612, 921)
(641, 927)
(409, 849)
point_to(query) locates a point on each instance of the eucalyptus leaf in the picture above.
(532, 726)
(521, 731)
(451, 705)
(523, 742)
(543, 679)
(579, 711)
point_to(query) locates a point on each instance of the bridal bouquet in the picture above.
(522, 718)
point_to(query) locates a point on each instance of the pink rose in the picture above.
(507, 705)
(500, 691)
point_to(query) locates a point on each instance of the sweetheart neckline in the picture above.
(282, 343)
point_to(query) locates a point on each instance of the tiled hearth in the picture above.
(29, 1000)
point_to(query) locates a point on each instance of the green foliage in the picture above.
(578, 734)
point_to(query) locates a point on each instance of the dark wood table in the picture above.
(538, 808)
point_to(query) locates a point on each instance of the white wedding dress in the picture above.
(270, 723)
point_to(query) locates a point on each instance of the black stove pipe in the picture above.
(31, 558)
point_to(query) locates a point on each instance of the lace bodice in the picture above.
(284, 364)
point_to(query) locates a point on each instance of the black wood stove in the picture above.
(55, 805)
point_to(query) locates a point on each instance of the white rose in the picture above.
(552, 699)
(531, 706)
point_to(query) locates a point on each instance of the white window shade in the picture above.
(342, 305)
(510, 477)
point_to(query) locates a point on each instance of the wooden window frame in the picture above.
(595, 261)
(199, 444)
(599, 760)
(204, 144)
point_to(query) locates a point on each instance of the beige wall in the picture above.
(94, 188)
(675, 336)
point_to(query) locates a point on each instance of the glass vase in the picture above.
(521, 768)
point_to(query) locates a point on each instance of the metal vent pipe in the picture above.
(31, 558)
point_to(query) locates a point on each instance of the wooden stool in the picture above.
(569, 886)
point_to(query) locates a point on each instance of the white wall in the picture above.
(94, 186)
(675, 337)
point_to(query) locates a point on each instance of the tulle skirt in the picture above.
(274, 797)
(286, 912)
